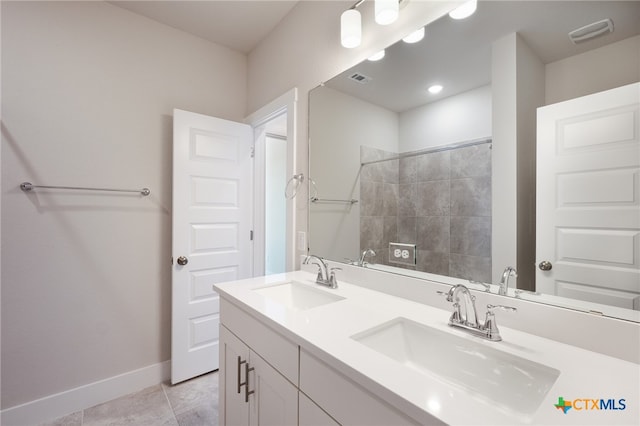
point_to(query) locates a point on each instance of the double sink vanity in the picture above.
(295, 352)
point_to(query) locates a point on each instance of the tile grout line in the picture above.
(169, 402)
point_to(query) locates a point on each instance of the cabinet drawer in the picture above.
(343, 399)
(281, 353)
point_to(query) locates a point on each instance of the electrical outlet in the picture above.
(402, 253)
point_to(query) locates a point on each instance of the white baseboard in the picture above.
(57, 405)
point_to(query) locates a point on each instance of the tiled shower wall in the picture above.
(439, 201)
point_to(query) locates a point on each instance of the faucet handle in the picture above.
(490, 327)
(490, 308)
(332, 277)
(446, 294)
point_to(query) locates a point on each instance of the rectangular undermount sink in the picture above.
(298, 296)
(507, 381)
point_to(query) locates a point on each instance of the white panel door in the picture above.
(588, 197)
(212, 214)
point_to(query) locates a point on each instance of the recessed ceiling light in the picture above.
(415, 36)
(377, 56)
(436, 88)
(464, 10)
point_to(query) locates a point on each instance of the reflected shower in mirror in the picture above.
(437, 199)
(380, 137)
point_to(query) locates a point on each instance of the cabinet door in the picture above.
(234, 356)
(275, 399)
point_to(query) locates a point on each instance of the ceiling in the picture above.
(237, 24)
(457, 54)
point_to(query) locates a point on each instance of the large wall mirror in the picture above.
(442, 185)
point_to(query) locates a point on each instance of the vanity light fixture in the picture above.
(435, 89)
(415, 36)
(350, 28)
(386, 11)
(377, 56)
(464, 10)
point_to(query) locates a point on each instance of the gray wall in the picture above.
(88, 91)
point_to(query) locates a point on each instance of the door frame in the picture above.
(285, 103)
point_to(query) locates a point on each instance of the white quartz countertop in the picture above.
(325, 331)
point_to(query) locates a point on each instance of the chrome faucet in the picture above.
(363, 257)
(325, 276)
(509, 271)
(470, 318)
(461, 297)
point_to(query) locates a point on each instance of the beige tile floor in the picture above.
(191, 403)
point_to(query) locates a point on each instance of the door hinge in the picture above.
(253, 151)
(251, 235)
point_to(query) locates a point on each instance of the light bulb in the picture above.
(350, 28)
(386, 11)
(435, 89)
(464, 10)
(377, 56)
(415, 36)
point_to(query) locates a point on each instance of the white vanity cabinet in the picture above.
(266, 378)
(347, 402)
(309, 414)
(310, 366)
(252, 390)
(256, 394)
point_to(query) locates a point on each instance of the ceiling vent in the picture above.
(591, 31)
(360, 78)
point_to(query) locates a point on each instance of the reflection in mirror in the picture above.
(451, 177)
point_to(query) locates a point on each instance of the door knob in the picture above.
(545, 265)
(182, 260)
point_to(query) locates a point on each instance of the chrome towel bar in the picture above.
(327, 200)
(28, 186)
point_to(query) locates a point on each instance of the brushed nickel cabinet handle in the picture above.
(247, 392)
(239, 364)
